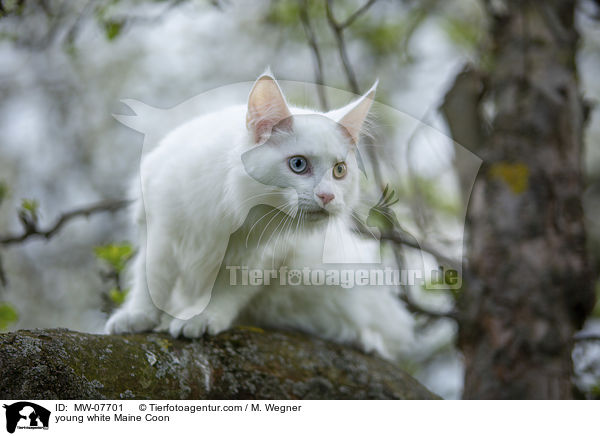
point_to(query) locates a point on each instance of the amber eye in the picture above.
(339, 170)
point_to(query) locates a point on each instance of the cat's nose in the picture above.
(325, 197)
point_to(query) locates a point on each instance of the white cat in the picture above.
(255, 186)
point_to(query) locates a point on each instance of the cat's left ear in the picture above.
(267, 109)
(352, 121)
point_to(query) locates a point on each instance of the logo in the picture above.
(26, 415)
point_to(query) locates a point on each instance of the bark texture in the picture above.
(238, 364)
(528, 283)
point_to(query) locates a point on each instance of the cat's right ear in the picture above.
(267, 108)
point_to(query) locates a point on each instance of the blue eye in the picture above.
(298, 164)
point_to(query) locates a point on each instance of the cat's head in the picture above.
(313, 153)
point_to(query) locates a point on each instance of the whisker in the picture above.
(297, 234)
(270, 221)
(274, 209)
(264, 194)
(276, 244)
(302, 221)
(257, 221)
(286, 227)
(386, 213)
(366, 227)
(339, 233)
(272, 233)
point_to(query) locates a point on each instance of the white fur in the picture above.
(198, 187)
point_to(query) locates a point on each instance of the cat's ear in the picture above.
(353, 119)
(267, 109)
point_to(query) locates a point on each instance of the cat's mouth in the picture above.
(315, 215)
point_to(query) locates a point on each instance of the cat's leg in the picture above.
(138, 313)
(155, 272)
(224, 306)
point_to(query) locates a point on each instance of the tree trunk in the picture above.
(528, 284)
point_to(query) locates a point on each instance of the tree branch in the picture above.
(31, 229)
(416, 308)
(586, 337)
(338, 31)
(399, 238)
(312, 42)
(3, 279)
(404, 238)
(235, 364)
(352, 18)
(407, 298)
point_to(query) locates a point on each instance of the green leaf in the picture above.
(12, 7)
(3, 191)
(383, 38)
(115, 255)
(378, 218)
(8, 315)
(29, 210)
(284, 13)
(596, 311)
(31, 206)
(463, 32)
(113, 28)
(117, 296)
(429, 190)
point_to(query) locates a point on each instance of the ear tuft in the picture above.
(267, 108)
(268, 72)
(354, 119)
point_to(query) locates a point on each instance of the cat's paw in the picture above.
(131, 322)
(206, 322)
